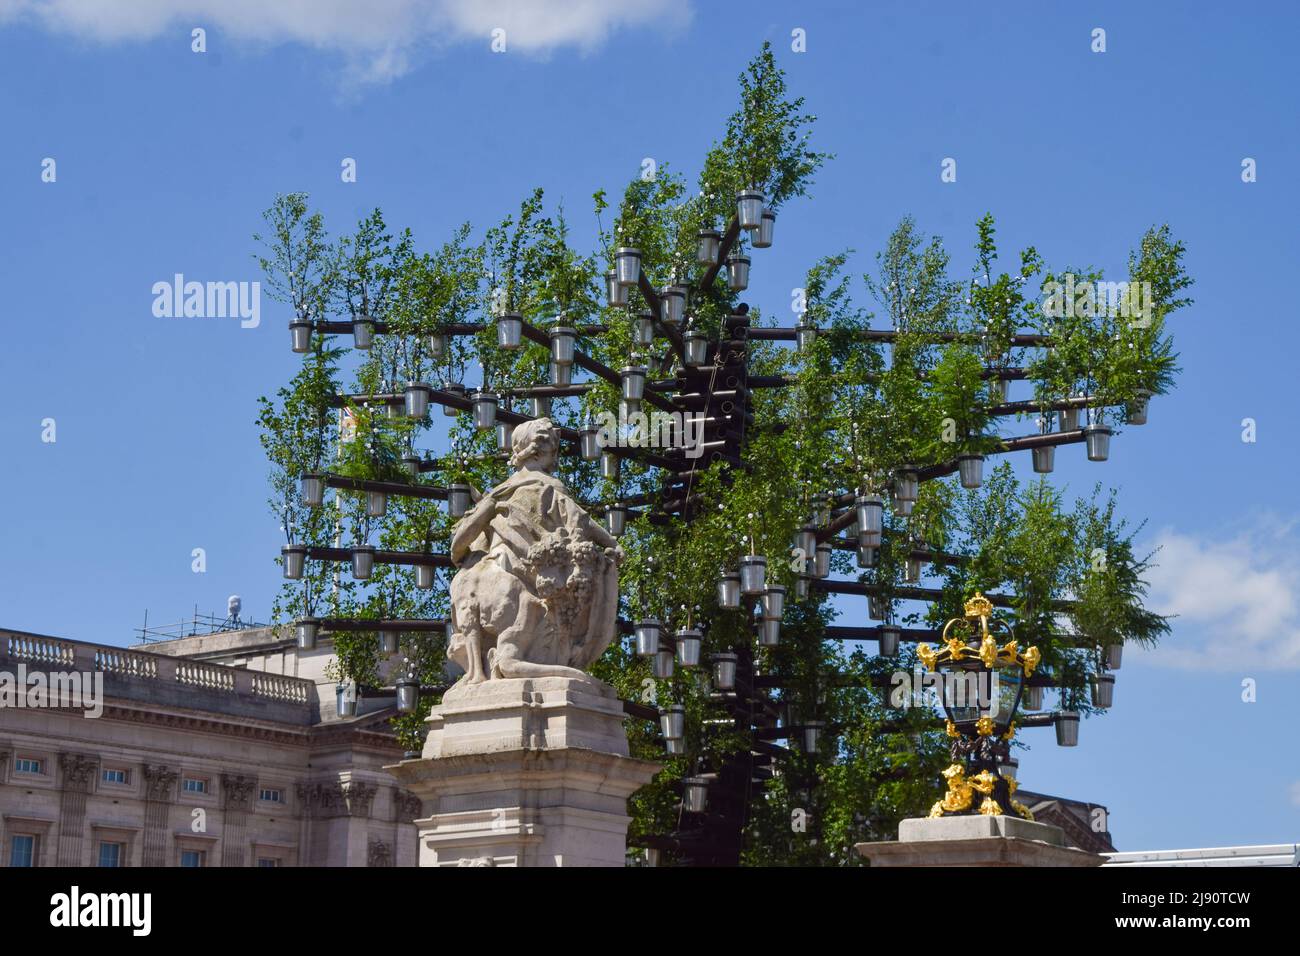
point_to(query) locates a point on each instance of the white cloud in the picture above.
(1237, 599)
(380, 39)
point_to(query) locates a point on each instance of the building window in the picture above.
(110, 854)
(113, 776)
(27, 765)
(271, 796)
(194, 785)
(267, 861)
(22, 851)
(194, 858)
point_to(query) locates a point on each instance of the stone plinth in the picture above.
(525, 772)
(976, 841)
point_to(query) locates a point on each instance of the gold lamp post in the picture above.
(980, 687)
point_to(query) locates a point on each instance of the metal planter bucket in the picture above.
(458, 500)
(763, 237)
(589, 442)
(674, 747)
(871, 519)
(822, 563)
(643, 330)
(424, 576)
(749, 209)
(769, 632)
(1009, 768)
(1067, 728)
(609, 466)
(672, 722)
(485, 410)
(805, 335)
(627, 265)
(345, 699)
(563, 341)
(998, 391)
(615, 294)
(907, 485)
(1103, 690)
(633, 383)
(1069, 419)
(510, 329)
(300, 333)
(363, 561)
(695, 794)
(376, 504)
(724, 670)
(648, 633)
(306, 630)
(388, 642)
(876, 608)
(408, 695)
(673, 305)
(912, 571)
(812, 734)
(313, 490)
(971, 468)
(411, 465)
(540, 406)
(505, 437)
(363, 332)
(1137, 409)
(729, 591)
(688, 647)
(801, 587)
(616, 519)
(1045, 459)
(753, 574)
(696, 348)
(1032, 698)
(774, 602)
(889, 637)
(737, 273)
(868, 557)
(453, 388)
(1114, 656)
(437, 343)
(1097, 438)
(293, 556)
(662, 665)
(708, 242)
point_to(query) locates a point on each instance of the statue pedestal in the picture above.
(527, 772)
(976, 841)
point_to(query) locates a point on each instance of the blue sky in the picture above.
(166, 158)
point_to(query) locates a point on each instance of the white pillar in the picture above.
(525, 772)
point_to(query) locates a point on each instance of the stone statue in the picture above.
(537, 590)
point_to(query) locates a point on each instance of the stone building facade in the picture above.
(219, 750)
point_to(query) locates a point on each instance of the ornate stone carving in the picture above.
(408, 807)
(379, 853)
(78, 771)
(537, 590)
(158, 782)
(237, 791)
(476, 861)
(358, 797)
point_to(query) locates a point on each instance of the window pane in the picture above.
(192, 858)
(267, 862)
(110, 854)
(23, 851)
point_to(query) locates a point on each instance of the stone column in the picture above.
(236, 801)
(158, 783)
(976, 840)
(78, 772)
(525, 772)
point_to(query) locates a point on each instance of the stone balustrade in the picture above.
(132, 672)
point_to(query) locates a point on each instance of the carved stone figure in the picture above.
(537, 590)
